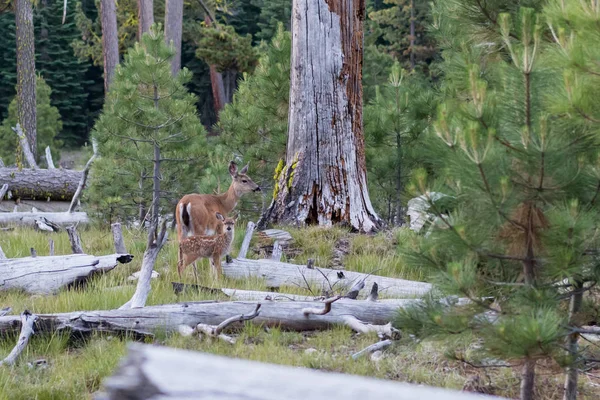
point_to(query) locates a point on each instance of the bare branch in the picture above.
(247, 238)
(84, 176)
(316, 311)
(5, 311)
(221, 327)
(74, 239)
(49, 158)
(374, 292)
(27, 321)
(372, 348)
(25, 146)
(3, 191)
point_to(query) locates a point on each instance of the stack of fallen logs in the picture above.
(42, 186)
(335, 304)
(332, 299)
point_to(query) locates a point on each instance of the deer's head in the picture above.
(228, 223)
(242, 183)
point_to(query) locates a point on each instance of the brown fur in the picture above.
(202, 246)
(203, 207)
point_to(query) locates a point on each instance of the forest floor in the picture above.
(74, 369)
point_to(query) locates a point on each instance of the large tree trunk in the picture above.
(42, 184)
(110, 40)
(168, 318)
(46, 275)
(152, 372)
(26, 81)
(216, 81)
(145, 16)
(173, 30)
(324, 181)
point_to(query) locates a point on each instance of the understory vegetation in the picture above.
(64, 367)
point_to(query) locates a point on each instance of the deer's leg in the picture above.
(216, 265)
(195, 265)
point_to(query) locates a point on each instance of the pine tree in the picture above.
(254, 126)
(389, 27)
(273, 13)
(49, 126)
(61, 68)
(395, 121)
(148, 128)
(524, 174)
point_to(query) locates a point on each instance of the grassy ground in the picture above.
(74, 369)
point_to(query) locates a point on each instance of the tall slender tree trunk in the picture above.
(412, 34)
(324, 181)
(26, 94)
(110, 40)
(572, 344)
(173, 30)
(216, 81)
(528, 380)
(145, 16)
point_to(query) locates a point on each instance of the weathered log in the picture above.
(168, 318)
(45, 275)
(41, 184)
(153, 372)
(255, 295)
(279, 274)
(276, 234)
(30, 218)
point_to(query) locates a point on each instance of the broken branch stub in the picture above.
(27, 322)
(74, 239)
(316, 311)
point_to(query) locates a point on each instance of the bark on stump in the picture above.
(324, 179)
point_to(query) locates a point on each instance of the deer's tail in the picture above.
(185, 211)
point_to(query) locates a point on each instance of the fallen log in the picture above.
(168, 318)
(153, 372)
(45, 275)
(41, 184)
(255, 295)
(279, 274)
(30, 218)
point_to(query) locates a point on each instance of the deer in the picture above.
(195, 214)
(214, 247)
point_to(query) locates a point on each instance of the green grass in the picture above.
(75, 368)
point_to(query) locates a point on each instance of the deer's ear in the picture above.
(245, 169)
(219, 216)
(233, 169)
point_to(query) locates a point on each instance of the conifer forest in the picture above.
(293, 199)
